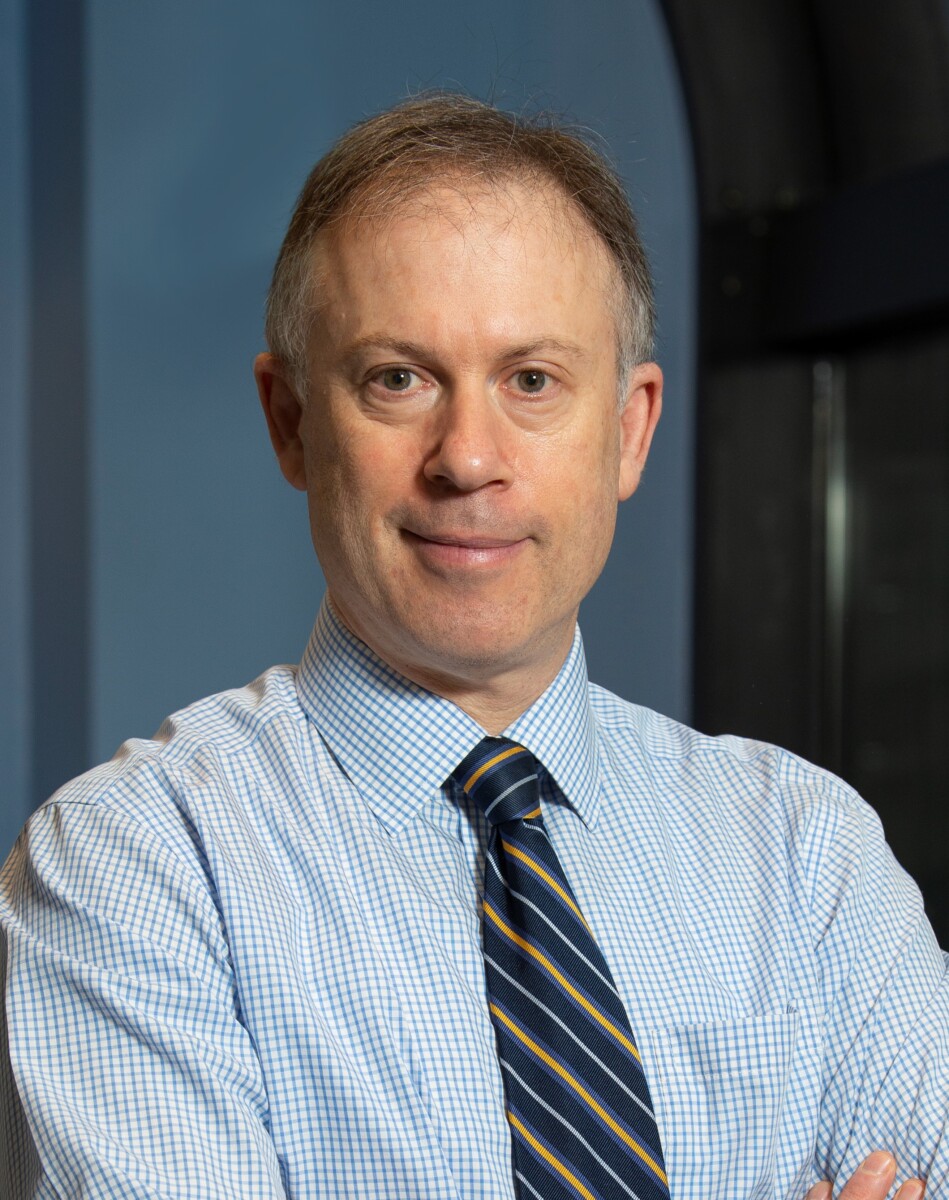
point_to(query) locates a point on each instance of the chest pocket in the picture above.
(721, 1093)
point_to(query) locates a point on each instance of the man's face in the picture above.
(461, 444)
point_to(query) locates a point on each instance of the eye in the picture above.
(531, 382)
(397, 379)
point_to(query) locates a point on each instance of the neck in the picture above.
(493, 694)
(493, 709)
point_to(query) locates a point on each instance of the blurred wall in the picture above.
(15, 690)
(148, 170)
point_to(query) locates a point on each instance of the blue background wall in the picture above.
(15, 690)
(150, 551)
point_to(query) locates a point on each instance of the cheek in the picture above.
(589, 472)
(587, 494)
(360, 476)
(371, 453)
(594, 517)
(374, 464)
(343, 461)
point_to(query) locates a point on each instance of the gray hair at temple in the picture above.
(392, 156)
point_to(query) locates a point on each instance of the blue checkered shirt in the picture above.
(243, 958)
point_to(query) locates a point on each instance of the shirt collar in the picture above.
(398, 743)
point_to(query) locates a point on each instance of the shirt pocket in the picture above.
(720, 1090)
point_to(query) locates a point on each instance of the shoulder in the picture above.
(733, 773)
(212, 755)
(793, 826)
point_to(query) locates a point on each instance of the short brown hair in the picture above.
(401, 151)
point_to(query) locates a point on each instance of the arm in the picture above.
(873, 1180)
(885, 996)
(135, 1076)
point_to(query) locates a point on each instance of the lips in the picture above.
(462, 549)
(473, 541)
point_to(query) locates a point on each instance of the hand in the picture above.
(872, 1181)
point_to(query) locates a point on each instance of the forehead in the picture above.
(501, 251)
(462, 195)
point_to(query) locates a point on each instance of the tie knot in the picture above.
(502, 777)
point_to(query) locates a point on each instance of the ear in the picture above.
(283, 411)
(638, 422)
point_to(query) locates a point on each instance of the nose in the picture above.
(472, 446)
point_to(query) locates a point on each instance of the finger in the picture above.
(912, 1189)
(822, 1191)
(872, 1179)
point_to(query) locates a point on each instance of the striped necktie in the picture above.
(578, 1104)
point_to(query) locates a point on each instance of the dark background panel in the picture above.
(822, 539)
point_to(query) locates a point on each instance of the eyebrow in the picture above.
(415, 350)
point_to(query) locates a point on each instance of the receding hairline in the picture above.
(443, 136)
(396, 190)
(431, 135)
(375, 209)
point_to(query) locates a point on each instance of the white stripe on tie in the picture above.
(507, 792)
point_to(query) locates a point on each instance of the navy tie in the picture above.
(582, 1122)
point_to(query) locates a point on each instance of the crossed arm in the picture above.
(872, 1181)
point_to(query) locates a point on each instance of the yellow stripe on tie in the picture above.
(539, 870)
(581, 1091)
(562, 980)
(491, 763)
(557, 1165)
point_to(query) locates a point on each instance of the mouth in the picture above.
(451, 549)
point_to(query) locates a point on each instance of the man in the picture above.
(288, 948)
